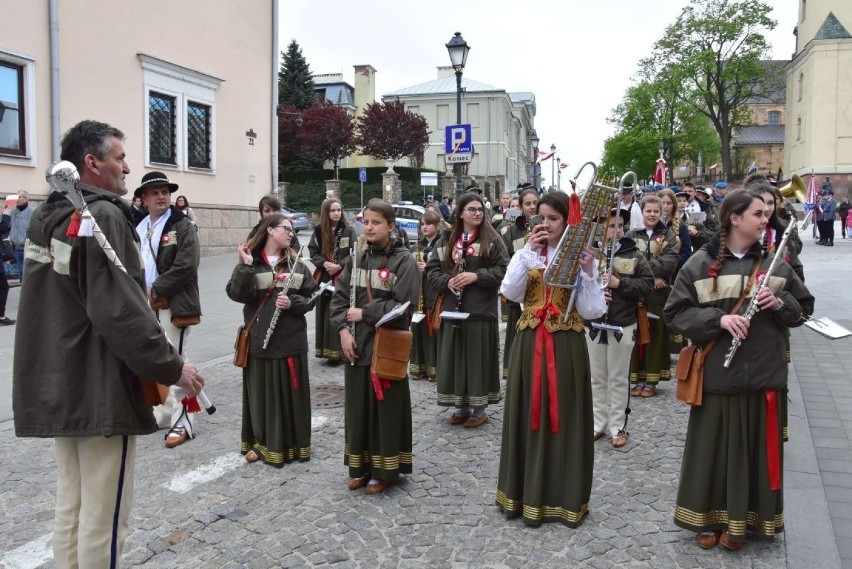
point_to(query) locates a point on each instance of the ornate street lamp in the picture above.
(458, 50)
(534, 140)
(558, 173)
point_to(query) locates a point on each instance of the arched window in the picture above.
(804, 10)
(774, 118)
(801, 83)
(799, 128)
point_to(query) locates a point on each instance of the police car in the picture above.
(407, 219)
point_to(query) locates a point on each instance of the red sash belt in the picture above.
(773, 454)
(294, 378)
(544, 341)
(378, 384)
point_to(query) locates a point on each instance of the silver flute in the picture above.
(285, 288)
(753, 306)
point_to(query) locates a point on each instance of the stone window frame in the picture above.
(27, 156)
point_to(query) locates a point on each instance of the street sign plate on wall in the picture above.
(458, 139)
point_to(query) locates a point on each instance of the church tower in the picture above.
(818, 134)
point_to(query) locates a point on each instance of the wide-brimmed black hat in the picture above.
(154, 180)
(473, 188)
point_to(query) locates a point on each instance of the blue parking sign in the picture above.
(362, 174)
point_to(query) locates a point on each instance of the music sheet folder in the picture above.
(828, 328)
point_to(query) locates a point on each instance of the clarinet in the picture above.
(753, 307)
(465, 237)
(277, 313)
(353, 280)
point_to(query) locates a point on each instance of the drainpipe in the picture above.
(54, 79)
(273, 135)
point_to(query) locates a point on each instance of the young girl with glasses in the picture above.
(466, 269)
(276, 421)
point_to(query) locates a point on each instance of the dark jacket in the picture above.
(636, 280)
(394, 279)
(661, 252)
(696, 312)
(344, 236)
(177, 264)
(85, 329)
(248, 285)
(479, 298)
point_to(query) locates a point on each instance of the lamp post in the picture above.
(458, 50)
(558, 173)
(534, 140)
(552, 165)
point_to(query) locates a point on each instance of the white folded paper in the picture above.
(453, 315)
(417, 318)
(396, 312)
(828, 328)
(324, 287)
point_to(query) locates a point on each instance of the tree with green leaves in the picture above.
(714, 51)
(295, 82)
(386, 131)
(327, 132)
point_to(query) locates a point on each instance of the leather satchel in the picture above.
(436, 312)
(642, 324)
(186, 320)
(155, 393)
(690, 374)
(689, 371)
(241, 345)
(391, 350)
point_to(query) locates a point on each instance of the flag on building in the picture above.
(544, 156)
(563, 165)
(752, 169)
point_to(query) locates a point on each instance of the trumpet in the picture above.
(284, 288)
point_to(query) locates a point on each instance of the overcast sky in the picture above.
(578, 58)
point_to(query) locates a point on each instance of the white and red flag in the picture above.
(661, 172)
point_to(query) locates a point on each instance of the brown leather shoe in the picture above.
(459, 417)
(377, 488)
(707, 539)
(355, 483)
(649, 391)
(474, 422)
(176, 437)
(251, 456)
(636, 391)
(620, 439)
(726, 542)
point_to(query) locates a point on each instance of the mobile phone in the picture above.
(535, 220)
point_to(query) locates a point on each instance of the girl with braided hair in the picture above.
(731, 471)
(671, 217)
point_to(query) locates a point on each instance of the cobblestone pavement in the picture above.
(442, 515)
(202, 505)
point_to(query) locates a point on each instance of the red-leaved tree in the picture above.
(386, 131)
(328, 132)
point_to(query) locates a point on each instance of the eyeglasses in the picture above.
(286, 228)
(475, 210)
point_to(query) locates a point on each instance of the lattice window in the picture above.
(774, 118)
(198, 132)
(12, 131)
(162, 135)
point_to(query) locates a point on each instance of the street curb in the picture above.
(808, 531)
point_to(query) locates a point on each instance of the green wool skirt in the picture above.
(378, 433)
(724, 478)
(424, 350)
(546, 476)
(277, 410)
(468, 364)
(327, 337)
(655, 365)
(514, 314)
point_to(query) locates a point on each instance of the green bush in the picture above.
(307, 187)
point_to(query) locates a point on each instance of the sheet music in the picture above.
(417, 318)
(697, 217)
(828, 328)
(396, 312)
(453, 315)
